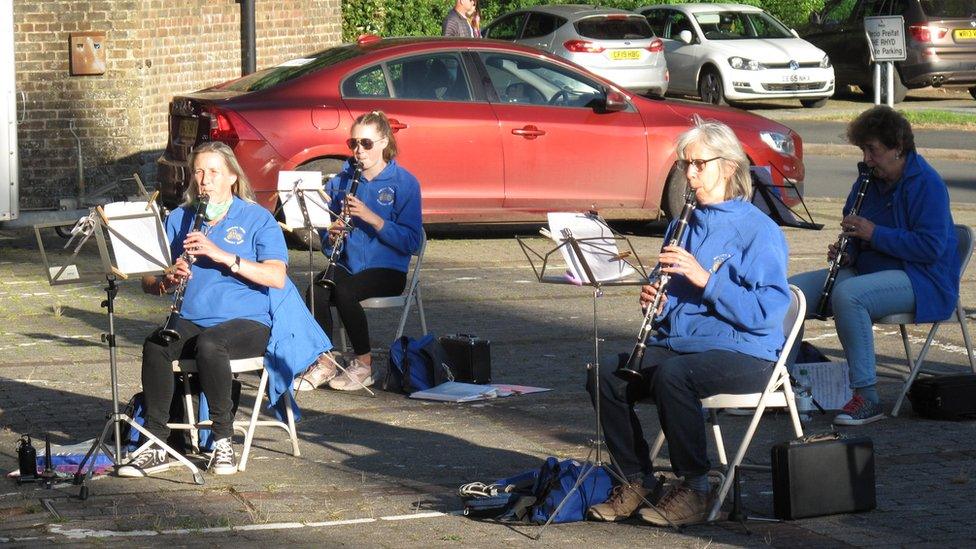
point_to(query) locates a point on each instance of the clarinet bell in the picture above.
(628, 366)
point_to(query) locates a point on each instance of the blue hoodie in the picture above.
(923, 238)
(394, 195)
(743, 304)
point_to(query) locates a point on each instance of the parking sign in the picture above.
(886, 37)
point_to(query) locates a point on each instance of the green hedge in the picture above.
(423, 17)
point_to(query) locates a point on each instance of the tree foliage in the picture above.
(423, 17)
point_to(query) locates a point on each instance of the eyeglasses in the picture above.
(698, 163)
(366, 142)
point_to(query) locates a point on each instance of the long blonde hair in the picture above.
(720, 140)
(241, 188)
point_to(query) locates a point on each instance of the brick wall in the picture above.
(155, 49)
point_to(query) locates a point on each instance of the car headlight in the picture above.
(825, 62)
(743, 64)
(779, 142)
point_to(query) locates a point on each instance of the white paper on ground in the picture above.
(829, 382)
(454, 391)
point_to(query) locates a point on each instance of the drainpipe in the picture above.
(248, 40)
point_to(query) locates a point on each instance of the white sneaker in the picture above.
(356, 376)
(223, 461)
(323, 371)
(145, 463)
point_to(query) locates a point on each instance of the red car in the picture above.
(494, 131)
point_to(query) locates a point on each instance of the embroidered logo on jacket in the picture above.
(717, 262)
(386, 196)
(235, 235)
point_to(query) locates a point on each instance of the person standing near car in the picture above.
(720, 330)
(385, 230)
(457, 23)
(901, 257)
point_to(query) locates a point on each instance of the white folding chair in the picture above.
(247, 427)
(410, 296)
(778, 394)
(964, 235)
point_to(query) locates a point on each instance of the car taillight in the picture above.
(229, 127)
(924, 33)
(582, 46)
(657, 45)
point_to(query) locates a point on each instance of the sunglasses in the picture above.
(366, 142)
(698, 163)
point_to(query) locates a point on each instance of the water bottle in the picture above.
(27, 458)
(804, 397)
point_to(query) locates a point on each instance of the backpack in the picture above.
(533, 496)
(416, 365)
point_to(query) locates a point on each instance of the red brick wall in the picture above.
(155, 49)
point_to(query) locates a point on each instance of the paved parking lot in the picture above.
(382, 471)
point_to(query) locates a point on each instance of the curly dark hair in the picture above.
(886, 125)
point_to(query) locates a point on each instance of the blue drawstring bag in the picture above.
(417, 365)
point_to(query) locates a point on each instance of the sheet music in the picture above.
(596, 242)
(138, 242)
(316, 202)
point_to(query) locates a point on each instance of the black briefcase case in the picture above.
(469, 357)
(823, 475)
(945, 397)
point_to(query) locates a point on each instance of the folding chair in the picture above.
(247, 427)
(410, 296)
(964, 236)
(778, 394)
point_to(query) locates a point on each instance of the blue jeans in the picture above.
(677, 383)
(856, 302)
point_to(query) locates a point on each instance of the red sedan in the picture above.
(494, 131)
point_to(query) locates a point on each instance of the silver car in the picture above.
(615, 44)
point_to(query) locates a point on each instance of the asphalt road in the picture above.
(832, 176)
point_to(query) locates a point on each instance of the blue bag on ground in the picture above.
(556, 479)
(416, 365)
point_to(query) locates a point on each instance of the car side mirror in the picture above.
(685, 36)
(614, 102)
(815, 19)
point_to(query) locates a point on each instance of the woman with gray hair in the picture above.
(719, 330)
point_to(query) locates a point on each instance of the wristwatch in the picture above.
(236, 265)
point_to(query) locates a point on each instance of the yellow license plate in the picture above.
(188, 129)
(965, 34)
(622, 55)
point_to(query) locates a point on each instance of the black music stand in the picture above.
(137, 261)
(581, 254)
(298, 192)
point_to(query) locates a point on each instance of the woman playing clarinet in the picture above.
(900, 255)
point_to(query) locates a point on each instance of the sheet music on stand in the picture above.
(594, 252)
(316, 201)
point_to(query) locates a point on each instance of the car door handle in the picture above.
(396, 125)
(528, 132)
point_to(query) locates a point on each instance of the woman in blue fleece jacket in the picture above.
(386, 230)
(719, 331)
(901, 258)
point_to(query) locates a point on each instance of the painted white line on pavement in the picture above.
(85, 533)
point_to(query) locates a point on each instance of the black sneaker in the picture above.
(145, 463)
(223, 461)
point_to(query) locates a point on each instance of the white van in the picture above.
(8, 115)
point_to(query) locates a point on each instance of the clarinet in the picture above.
(168, 332)
(326, 280)
(864, 176)
(629, 370)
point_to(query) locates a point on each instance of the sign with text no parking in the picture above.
(886, 37)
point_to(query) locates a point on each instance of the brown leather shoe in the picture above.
(681, 506)
(624, 501)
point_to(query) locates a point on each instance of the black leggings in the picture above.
(349, 290)
(213, 348)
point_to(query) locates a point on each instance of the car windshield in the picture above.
(736, 25)
(949, 8)
(614, 27)
(294, 68)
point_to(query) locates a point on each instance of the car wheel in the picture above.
(813, 103)
(301, 238)
(972, 92)
(710, 87)
(674, 194)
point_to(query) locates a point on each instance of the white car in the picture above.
(734, 52)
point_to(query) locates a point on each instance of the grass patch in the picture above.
(919, 118)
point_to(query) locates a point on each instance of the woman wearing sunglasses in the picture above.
(385, 229)
(719, 330)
